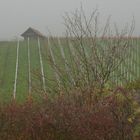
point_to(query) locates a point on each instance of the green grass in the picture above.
(8, 59)
(8, 62)
(7, 70)
(22, 86)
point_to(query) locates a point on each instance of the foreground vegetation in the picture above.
(114, 116)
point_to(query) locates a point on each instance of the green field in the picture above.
(8, 67)
(8, 56)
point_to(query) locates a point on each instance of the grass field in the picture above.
(8, 66)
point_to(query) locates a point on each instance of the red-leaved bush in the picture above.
(64, 119)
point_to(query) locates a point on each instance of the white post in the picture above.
(130, 64)
(16, 72)
(29, 66)
(41, 65)
(54, 63)
(137, 59)
(65, 61)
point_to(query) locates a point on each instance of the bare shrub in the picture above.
(94, 54)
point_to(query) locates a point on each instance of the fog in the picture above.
(17, 15)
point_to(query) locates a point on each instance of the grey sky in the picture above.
(17, 15)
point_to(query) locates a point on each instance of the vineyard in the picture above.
(25, 66)
(14, 75)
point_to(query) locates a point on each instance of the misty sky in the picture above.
(17, 15)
